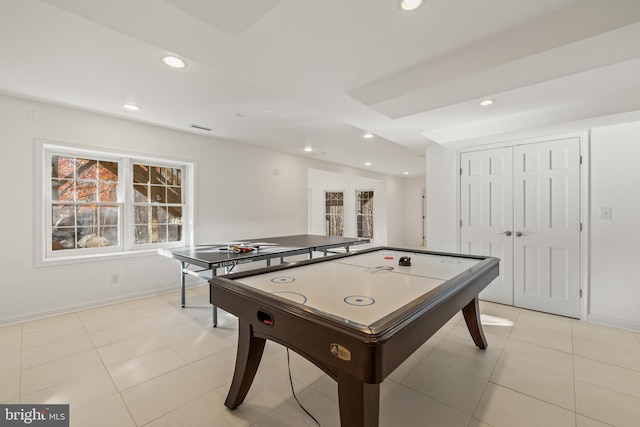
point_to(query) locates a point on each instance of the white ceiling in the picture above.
(286, 74)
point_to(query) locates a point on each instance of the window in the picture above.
(157, 198)
(364, 213)
(104, 202)
(334, 210)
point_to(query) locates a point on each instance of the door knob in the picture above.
(506, 233)
(520, 234)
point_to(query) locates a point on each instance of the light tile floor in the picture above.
(150, 363)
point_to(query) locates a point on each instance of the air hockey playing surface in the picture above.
(363, 288)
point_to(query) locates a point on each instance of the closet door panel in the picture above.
(486, 214)
(546, 227)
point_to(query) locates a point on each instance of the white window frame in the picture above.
(126, 244)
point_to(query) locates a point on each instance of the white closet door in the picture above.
(486, 214)
(547, 226)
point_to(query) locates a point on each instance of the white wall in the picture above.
(390, 209)
(442, 201)
(615, 243)
(413, 202)
(241, 192)
(321, 181)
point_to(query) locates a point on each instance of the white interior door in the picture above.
(522, 204)
(486, 214)
(547, 226)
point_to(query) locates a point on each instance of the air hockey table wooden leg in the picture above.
(471, 313)
(359, 402)
(250, 351)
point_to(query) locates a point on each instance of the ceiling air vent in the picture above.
(201, 128)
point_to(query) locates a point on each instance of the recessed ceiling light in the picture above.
(308, 149)
(406, 172)
(131, 107)
(486, 102)
(367, 135)
(410, 4)
(367, 164)
(174, 61)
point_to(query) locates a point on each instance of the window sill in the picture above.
(86, 258)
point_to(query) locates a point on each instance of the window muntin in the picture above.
(364, 213)
(334, 213)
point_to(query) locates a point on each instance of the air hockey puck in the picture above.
(405, 261)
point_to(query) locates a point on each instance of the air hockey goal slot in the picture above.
(265, 318)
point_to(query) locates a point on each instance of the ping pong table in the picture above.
(195, 260)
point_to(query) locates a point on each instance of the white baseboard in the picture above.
(613, 322)
(27, 317)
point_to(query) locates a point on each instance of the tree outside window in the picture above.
(157, 201)
(334, 213)
(84, 203)
(364, 213)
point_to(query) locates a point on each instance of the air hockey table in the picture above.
(356, 316)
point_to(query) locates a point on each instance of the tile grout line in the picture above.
(115, 386)
(573, 370)
(475, 409)
(20, 365)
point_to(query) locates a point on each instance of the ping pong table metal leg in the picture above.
(471, 314)
(214, 314)
(183, 266)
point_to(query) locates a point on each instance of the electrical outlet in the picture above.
(32, 115)
(115, 278)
